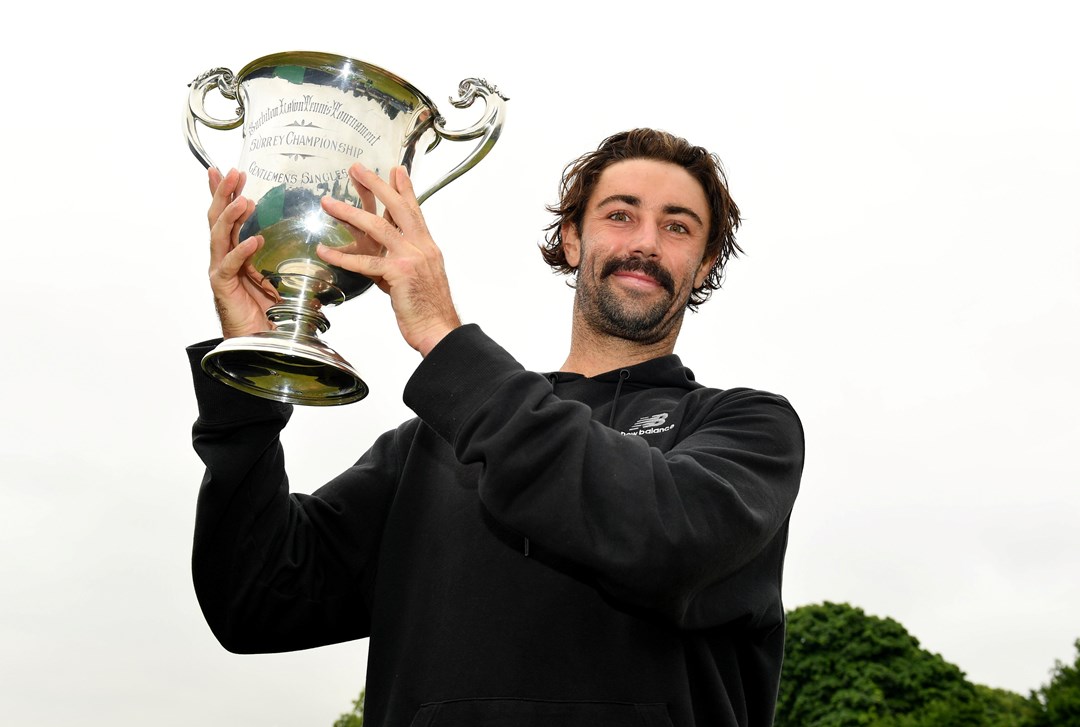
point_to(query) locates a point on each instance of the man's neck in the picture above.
(592, 352)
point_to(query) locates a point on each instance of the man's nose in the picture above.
(647, 242)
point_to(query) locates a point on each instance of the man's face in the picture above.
(641, 249)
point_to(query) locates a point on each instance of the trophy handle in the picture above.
(224, 81)
(487, 128)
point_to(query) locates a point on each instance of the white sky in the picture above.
(909, 177)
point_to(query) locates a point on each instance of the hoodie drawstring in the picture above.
(623, 376)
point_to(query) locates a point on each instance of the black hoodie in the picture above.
(531, 550)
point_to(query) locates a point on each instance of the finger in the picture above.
(368, 204)
(259, 281)
(237, 258)
(402, 184)
(238, 226)
(403, 211)
(361, 178)
(367, 198)
(371, 266)
(225, 228)
(214, 177)
(223, 195)
(356, 232)
(363, 243)
(377, 228)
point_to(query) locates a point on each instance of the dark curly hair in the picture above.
(581, 175)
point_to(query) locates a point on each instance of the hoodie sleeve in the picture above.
(275, 571)
(696, 533)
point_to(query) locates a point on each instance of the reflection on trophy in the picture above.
(307, 118)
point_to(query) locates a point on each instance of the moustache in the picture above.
(640, 265)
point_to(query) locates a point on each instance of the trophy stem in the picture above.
(288, 364)
(300, 319)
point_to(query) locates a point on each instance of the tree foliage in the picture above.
(843, 668)
(1060, 699)
(354, 717)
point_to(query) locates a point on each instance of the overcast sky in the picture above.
(909, 177)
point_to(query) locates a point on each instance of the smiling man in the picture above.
(601, 545)
(639, 250)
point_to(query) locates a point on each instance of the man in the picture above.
(602, 545)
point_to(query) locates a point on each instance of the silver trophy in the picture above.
(307, 117)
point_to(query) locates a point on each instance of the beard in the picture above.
(617, 313)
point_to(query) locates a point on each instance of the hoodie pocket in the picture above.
(539, 713)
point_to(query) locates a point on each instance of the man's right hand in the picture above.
(241, 293)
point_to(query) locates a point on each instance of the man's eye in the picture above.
(678, 227)
(619, 217)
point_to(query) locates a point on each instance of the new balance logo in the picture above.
(649, 425)
(656, 420)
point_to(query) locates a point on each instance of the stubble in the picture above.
(616, 313)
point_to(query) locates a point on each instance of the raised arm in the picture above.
(276, 571)
(696, 532)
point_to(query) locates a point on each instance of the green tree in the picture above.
(843, 668)
(354, 717)
(1002, 708)
(1060, 699)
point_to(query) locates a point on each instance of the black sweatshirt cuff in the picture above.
(220, 403)
(456, 378)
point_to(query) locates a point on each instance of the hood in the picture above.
(665, 372)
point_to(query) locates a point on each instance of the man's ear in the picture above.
(571, 244)
(704, 270)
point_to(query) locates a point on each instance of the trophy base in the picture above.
(287, 368)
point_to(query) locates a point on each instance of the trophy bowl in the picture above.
(307, 117)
